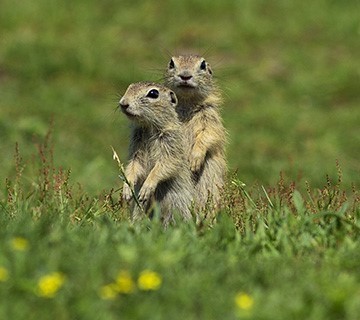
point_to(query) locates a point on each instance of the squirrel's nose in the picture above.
(123, 104)
(185, 78)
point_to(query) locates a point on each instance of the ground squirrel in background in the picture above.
(199, 99)
(157, 168)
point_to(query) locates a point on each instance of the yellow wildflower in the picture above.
(19, 244)
(149, 280)
(244, 301)
(108, 292)
(4, 274)
(50, 284)
(124, 282)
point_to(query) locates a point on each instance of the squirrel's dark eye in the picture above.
(153, 93)
(203, 65)
(171, 64)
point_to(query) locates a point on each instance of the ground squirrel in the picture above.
(190, 76)
(157, 168)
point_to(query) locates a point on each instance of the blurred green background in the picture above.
(289, 70)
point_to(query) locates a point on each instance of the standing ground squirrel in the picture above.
(157, 168)
(190, 76)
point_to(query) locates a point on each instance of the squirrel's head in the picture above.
(189, 75)
(148, 103)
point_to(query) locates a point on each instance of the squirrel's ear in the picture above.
(173, 98)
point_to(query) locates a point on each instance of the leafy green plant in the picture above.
(269, 253)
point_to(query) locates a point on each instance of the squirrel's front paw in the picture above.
(127, 194)
(146, 192)
(196, 160)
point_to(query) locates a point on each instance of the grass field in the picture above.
(286, 246)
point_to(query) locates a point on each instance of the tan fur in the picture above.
(157, 169)
(190, 77)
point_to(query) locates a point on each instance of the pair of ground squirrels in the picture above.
(177, 145)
